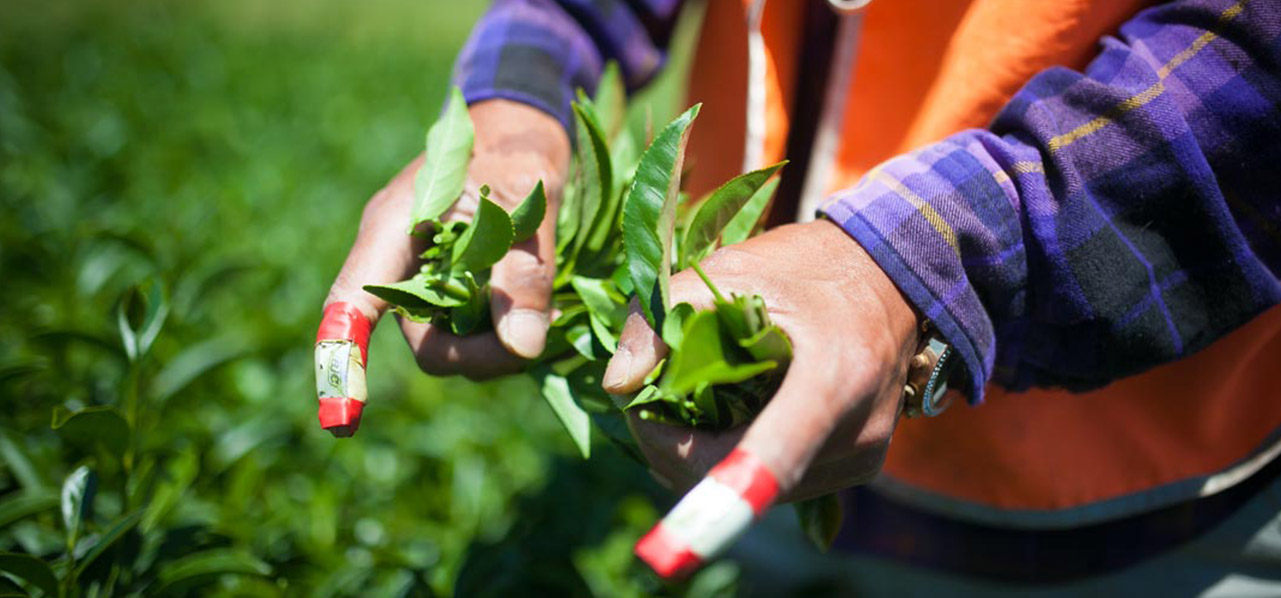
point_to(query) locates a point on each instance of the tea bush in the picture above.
(178, 184)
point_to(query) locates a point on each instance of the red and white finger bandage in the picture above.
(710, 517)
(342, 351)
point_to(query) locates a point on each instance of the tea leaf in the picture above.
(196, 568)
(719, 210)
(108, 538)
(673, 332)
(20, 466)
(194, 362)
(821, 519)
(22, 505)
(606, 309)
(529, 214)
(102, 425)
(556, 392)
(140, 316)
(77, 501)
(440, 181)
(704, 358)
(468, 318)
(31, 570)
(649, 216)
(770, 343)
(743, 223)
(485, 241)
(611, 100)
(416, 293)
(596, 182)
(180, 472)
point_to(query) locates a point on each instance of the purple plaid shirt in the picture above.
(1107, 222)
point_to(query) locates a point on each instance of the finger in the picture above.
(521, 286)
(769, 460)
(476, 356)
(680, 454)
(382, 252)
(640, 348)
(638, 353)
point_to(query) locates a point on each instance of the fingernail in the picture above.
(619, 370)
(525, 332)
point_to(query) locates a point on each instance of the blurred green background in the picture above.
(184, 179)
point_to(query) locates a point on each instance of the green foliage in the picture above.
(449, 143)
(212, 157)
(715, 213)
(649, 217)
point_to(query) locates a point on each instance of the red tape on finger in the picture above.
(342, 352)
(710, 517)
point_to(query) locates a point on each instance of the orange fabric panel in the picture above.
(781, 26)
(1048, 449)
(927, 69)
(720, 80)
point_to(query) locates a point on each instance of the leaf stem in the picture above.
(703, 275)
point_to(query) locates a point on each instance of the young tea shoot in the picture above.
(622, 229)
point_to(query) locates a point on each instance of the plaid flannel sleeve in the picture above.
(539, 52)
(1108, 221)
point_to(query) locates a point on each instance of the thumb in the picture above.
(639, 351)
(521, 288)
(769, 461)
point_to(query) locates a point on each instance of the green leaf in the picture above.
(719, 209)
(674, 326)
(486, 239)
(419, 293)
(770, 343)
(102, 425)
(180, 472)
(529, 214)
(596, 182)
(606, 308)
(196, 568)
(470, 316)
(195, 361)
(560, 398)
(25, 504)
(821, 519)
(77, 501)
(108, 539)
(140, 316)
(15, 457)
(703, 358)
(743, 223)
(31, 570)
(611, 100)
(9, 589)
(649, 216)
(647, 395)
(442, 176)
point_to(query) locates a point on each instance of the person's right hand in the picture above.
(516, 146)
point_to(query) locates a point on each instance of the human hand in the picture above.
(852, 332)
(515, 147)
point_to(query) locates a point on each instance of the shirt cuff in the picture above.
(921, 217)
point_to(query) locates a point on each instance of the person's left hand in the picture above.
(852, 333)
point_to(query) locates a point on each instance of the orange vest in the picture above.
(908, 72)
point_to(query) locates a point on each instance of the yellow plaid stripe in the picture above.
(1059, 142)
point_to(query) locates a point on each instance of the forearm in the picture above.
(1109, 221)
(539, 52)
